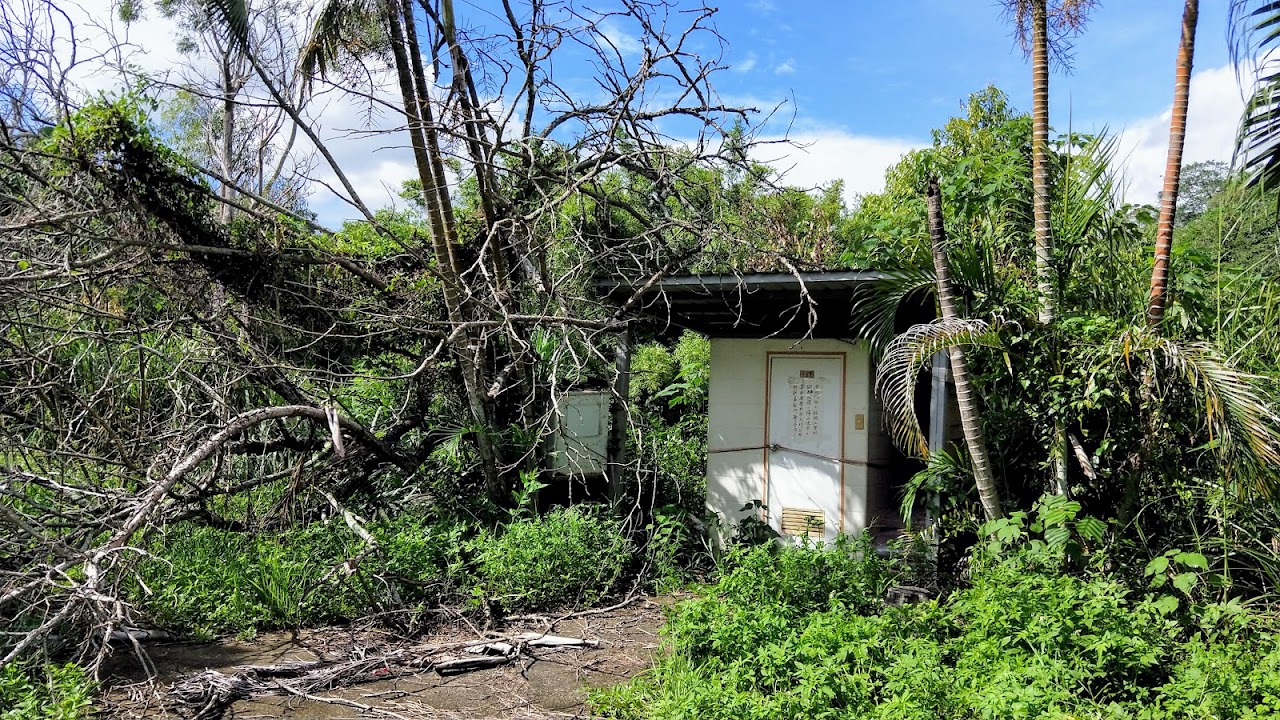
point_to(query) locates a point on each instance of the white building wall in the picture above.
(736, 424)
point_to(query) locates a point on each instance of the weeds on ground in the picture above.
(803, 633)
(51, 692)
(570, 556)
(205, 581)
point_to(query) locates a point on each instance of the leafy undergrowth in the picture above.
(51, 692)
(799, 633)
(205, 581)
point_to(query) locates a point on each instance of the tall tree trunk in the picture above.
(988, 494)
(227, 149)
(1164, 243)
(1045, 283)
(430, 166)
(1173, 167)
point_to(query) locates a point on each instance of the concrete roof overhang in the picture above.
(787, 305)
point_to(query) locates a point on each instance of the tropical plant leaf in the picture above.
(233, 15)
(932, 479)
(876, 305)
(1243, 426)
(902, 362)
(1254, 32)
(341, 26)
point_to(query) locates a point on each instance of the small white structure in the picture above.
(795, 434)
(796, 425)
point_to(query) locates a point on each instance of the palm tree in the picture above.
(1034, 20)
(1031, 19)
(970, 421)
(1235, 405)
(396, 19)
(903, 358)
(1173, 167)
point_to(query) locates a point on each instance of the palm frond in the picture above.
(940, 473)
(1087, 192)
(901, 365)
(877, 305)
(1099, 243)
(977, 277)
(233, 15)
(339, 27)
(1254, 32)
(1242, 424)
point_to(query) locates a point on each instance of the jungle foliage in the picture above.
(218, 415)
(192, 357)
(205, 582)
(1145, 426)
(1040, 630)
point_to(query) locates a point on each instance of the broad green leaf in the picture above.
(1157, 566)
(1165, 604)
(1185, 581)
(1091, 528)
(1192, 560)
(1057, 536)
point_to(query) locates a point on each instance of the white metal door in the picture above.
(805, 445)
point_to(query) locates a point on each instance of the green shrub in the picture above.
(848, 572)
(190, 582)
(215, 581)
(570, 556)
(653, 367)
(423, 562)
(208, 581)
(674, 549)
(53, 692)
(775, 638)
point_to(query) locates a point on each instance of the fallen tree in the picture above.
(208, 694)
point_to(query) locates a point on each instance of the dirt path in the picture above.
(544, 683)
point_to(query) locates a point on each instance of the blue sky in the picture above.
(901, 68)
(869, 79)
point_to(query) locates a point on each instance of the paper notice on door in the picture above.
(806, 405)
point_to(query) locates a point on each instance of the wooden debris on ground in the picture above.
(207, 694)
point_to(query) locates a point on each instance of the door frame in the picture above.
(843, 357)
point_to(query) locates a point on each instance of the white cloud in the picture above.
(367, 144)
(104, 44)
(820, 156)
(621, 40)
(747, 65)
(860, 161)
(1214, 111)
(787, 67)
